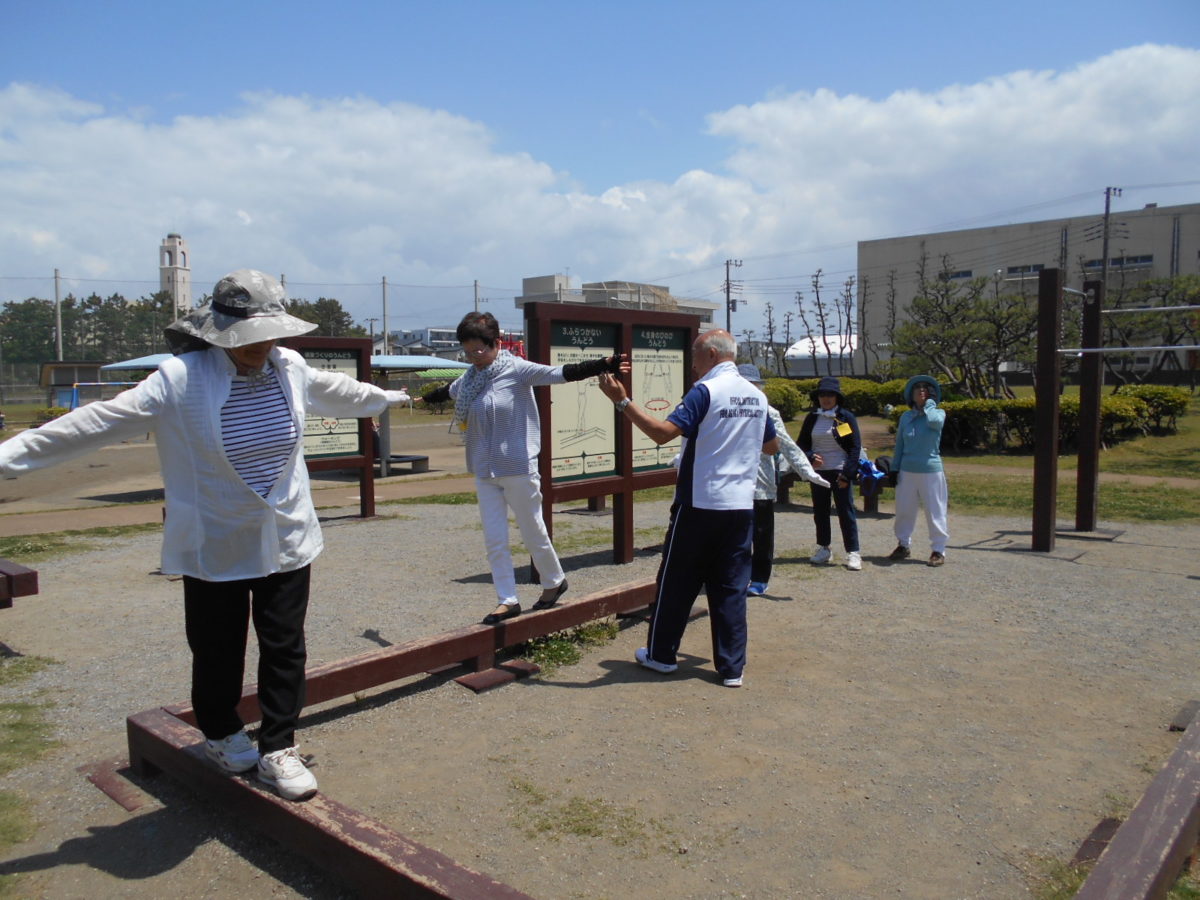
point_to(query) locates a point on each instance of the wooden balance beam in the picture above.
(364, 853)
(16, 581)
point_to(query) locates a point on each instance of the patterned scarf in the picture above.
(474, 383)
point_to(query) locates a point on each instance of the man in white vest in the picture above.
(724, 422)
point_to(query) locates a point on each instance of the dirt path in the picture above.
(904, 731)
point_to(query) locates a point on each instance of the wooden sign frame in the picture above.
(541, 322)
(363, 457)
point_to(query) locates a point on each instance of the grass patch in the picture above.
(14, 669)
(38, 547)
(565, 648)
(543, 815)
(1055, 880)
(1013, 495)
(462, 498)
(24, 736)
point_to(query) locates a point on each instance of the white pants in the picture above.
(523, 495)
(929, 489)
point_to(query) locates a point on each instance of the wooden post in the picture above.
(1091, 368)
(1049, 384)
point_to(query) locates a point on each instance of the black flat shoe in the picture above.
(510, 612)
(558, 592)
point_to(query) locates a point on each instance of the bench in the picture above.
(16, 581)
(788, 481)
(416, 463)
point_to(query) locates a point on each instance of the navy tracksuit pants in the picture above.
(710, 549)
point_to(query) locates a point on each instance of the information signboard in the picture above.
(325, 436)
(657, 383)
(583, 439)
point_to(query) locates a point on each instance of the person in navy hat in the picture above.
(830, 437)
(770, 467)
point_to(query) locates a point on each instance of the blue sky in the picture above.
(440, 143)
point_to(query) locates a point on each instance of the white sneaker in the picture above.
(854, 561)
(234, 754)
(286, 772)
(733, 682)
(823, 555)
(643, 657)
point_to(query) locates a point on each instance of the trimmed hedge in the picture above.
(998, 424)
(48, 414)
(863, 397)
(782, 394)
(1165, 403)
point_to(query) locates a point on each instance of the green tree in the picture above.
(27, 329)
(332, 320)
(1151, 329)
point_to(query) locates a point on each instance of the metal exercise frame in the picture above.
(1049, 383)
(364, 853)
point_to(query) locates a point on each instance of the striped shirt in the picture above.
(257, 429)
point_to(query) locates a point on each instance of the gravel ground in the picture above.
(903, 731)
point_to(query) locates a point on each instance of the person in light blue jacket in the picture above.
(917, 459)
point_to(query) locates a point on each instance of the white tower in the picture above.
(173, 272)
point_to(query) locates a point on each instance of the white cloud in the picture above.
(341, 190)
(912, 160)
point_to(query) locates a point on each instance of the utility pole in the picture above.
(386, 348)
(476, 295)
(371, 322)
(730, 302)
(1109, 193)
(57, 318)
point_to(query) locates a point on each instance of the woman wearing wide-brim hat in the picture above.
(228, 414)
(921, 478)
(830, 437)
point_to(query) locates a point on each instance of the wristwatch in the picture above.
(622, 403)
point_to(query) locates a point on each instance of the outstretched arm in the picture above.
(796, 457)
(658, 430)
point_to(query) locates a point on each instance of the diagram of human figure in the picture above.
(583, 431)
(657, 386)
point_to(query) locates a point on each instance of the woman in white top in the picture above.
(495, 409)
(228, 415)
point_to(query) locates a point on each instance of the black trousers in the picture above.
(843, 500)
(764, 541)
(707, 549)
(217, 616)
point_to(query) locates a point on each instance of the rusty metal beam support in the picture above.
(16, 581)
(474, 646)
(365, 854)
(1146, 854)
(1048, 385)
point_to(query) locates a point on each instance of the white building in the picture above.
(812, 358)
(616, 294)
(1152, 242)
(174, 273)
